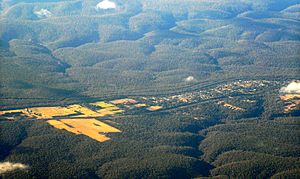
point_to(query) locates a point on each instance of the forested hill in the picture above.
(53, 49)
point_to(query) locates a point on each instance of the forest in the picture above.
(215, 70)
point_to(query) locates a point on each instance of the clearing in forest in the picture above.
(74, 111)
(103, 104)
(289, 97)
(292, 102)
(107, 108)
(154, 108)
(230, 106)
(90, 127)
(42, 112)
(124, 101)
(140, 105)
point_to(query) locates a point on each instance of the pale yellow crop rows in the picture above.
(89, 127)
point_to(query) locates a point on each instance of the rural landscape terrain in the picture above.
(150, 89)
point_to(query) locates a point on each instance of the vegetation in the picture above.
(138, 49)
(200, 83)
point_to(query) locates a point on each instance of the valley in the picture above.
(226, 96)
(149, 89)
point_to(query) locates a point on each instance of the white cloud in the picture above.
(190, 79)
(8, 167)
(293, 87)
(106, 4)
(43, 13)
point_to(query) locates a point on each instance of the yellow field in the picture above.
(289, 96)
(103, 104)
(124, 101)
(60, 125)
(76, 110)
(140, 105)
(50, 112)
(89, 127)
(154, 108)
(107, 109)
(85, 112)
(42, 112)
(106, 112)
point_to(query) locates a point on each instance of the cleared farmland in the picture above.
(42, 112)
(71, 111)
(89, 127)
(124, 101)
(154, 108)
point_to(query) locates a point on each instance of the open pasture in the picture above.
(74, 111)
(89, 127)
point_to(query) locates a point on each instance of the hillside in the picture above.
(139, 46)
(148, 89)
